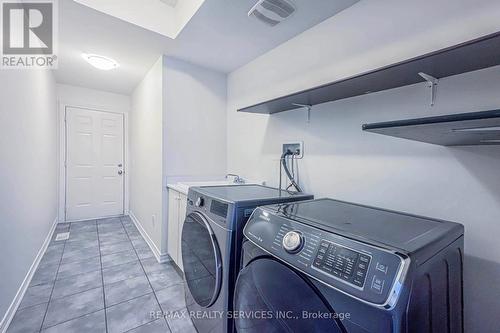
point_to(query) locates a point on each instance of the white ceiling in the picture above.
(219, 36)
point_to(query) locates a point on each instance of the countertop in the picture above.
(183, 187)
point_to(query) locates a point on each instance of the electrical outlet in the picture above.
(296, 147)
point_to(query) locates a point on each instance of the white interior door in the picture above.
(94, 164)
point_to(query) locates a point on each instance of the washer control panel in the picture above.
(361, 270)
(215, 210)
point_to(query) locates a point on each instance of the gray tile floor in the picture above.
(104, 278)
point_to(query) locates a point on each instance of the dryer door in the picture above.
(274, 298)
(201, 259)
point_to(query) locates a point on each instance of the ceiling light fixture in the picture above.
(100, 62)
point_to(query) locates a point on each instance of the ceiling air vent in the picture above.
(272, 12)
(171, 3)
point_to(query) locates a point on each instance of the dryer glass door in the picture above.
(274, 298)
(201, 259)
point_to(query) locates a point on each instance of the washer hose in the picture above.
(289, 175)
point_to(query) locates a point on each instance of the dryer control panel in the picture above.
(346, 264)
(361, 270)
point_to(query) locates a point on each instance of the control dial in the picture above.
(199, 202)
(292, 242)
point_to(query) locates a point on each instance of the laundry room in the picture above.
(250, 166)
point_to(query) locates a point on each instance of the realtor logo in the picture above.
(28, 34)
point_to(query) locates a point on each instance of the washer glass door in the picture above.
(275, 298)
(201, 259)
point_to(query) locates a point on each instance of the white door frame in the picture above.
(62, 154)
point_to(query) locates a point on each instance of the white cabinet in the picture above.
(173, 224)
(177, 203)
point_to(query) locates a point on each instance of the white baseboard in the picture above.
(92, 219)
(11, 311)
(161, 257)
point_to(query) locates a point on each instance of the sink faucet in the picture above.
(237, 179)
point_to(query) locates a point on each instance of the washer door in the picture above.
(201, 260)
(274, 298)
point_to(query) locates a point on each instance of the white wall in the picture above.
(195, 121)
(194, 125)
(146, 154)
(28, 173)
(91, 98)
(459, 184)
(177, 131)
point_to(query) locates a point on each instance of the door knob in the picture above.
(120, 172)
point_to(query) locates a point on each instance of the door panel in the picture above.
(201, 260)
(264, 286)
(94, 151)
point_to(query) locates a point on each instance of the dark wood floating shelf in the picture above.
(464, 129)
(466, 57)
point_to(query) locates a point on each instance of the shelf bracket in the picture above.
(432, 83)
(308, 106)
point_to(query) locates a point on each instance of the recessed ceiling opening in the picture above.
(166, 17)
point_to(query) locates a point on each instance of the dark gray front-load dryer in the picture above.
(332, 266)
(211, 246)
